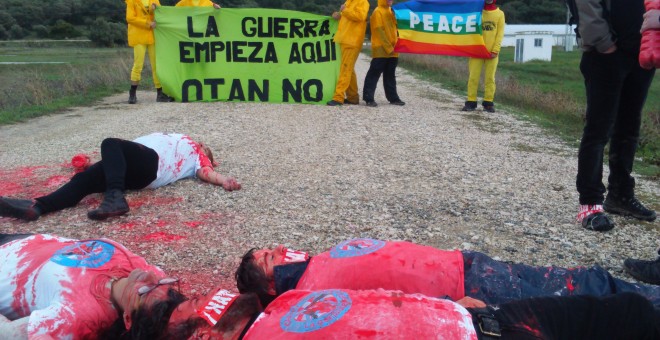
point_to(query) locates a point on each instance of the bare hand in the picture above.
(216, 6)
(343, 6)
(651, 20)
(610, 50)
(336, 15)
(153, 6)
(469, 302)
(152, 25)
(231, 184)
(493, 55)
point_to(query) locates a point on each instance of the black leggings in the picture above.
(123, 165)
(6, 238)
(620, 316)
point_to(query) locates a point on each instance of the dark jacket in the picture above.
(604, 23)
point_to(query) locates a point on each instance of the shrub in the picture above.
(63, 30)
(107, 34)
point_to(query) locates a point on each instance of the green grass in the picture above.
(81, 77)
(550, 94)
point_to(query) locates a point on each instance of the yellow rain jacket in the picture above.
(139, 16)
(194, 3)
(492, 24)
(353, 23)
(383, 31)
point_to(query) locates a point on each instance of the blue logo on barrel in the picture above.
(316, 310)
(88, 254)
(356, 247)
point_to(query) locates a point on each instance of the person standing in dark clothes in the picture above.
(385, 60)
(616, 87)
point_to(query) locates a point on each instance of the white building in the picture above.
(559, 34)
(533, 45)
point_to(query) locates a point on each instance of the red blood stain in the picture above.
(9, 188)
(367, 333)
(57, 181)
(162, 236)
(193, 224)
(161, 223)
(569, 284)
(128, 225)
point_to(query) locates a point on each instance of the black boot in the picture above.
(132, 96)
(628, 206)
(646, 271)
(26, 210)
(114, 204)
(162, 97)
(469, 106)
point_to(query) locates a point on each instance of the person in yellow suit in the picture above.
(385, 60)
(352, 18)
(197, 3)
(141, 24)
(492, 24)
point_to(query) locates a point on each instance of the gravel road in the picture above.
(315, 175)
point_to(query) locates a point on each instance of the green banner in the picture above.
(246, 55)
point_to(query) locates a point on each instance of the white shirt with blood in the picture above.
(370, 314)
(178, 157)
(50, 279)
(363, 264)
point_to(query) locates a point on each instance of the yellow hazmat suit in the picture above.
(350, 37)
(493, 32)
(194, 3)
(139, 16)
(383, 31)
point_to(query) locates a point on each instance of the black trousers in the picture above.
(386, 67)
(621, 316)
(123, 165)
(616, 89)
(6, 238)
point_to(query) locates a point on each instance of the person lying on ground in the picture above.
(150, 161)
(364, 263)
(383, 314)
(58, 288)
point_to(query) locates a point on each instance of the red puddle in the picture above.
(57, 181)
(162, 236)
(21, 181)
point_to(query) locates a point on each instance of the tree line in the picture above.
(103, 21)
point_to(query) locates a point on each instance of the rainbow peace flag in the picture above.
(446, 27)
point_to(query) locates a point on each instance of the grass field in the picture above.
(55, 78)
(551, 94)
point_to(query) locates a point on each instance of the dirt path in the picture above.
(315, 175)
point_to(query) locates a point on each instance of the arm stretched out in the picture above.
(207, 174)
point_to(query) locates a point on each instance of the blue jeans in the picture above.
(496, 282)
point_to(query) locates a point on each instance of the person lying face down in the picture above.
(362, 264)
(150, 161)
(59, 288)
(383, 314)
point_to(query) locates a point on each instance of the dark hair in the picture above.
(250, 278)
(209, 155)
(149, 323)
(246, 305)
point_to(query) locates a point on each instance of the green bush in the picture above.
(63, 30)
(107, 34)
